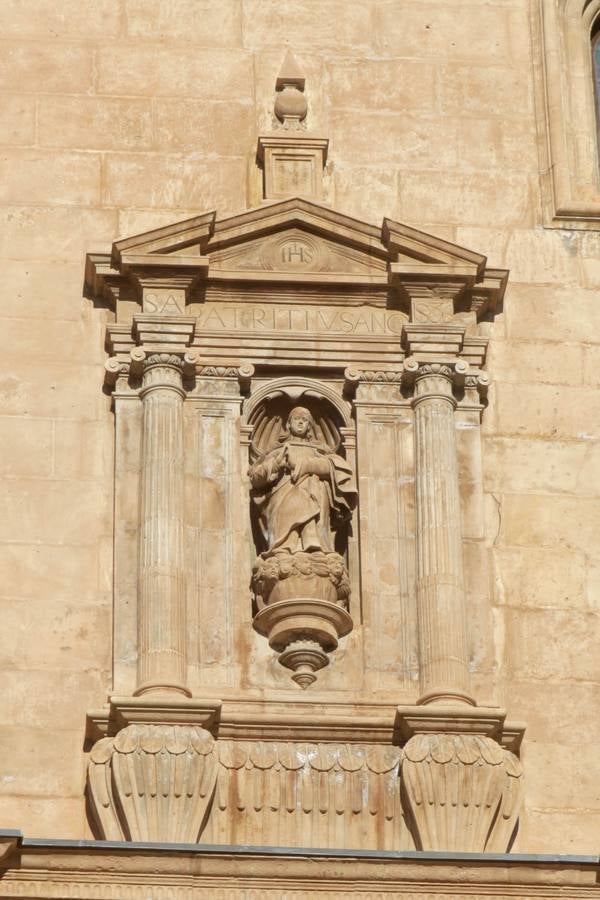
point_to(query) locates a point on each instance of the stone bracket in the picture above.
(461, 786)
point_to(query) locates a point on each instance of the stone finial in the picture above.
(290, 74)
(291, 158)
(291, 106)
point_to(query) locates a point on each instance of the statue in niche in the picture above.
(303, 494)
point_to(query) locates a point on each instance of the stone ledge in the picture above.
(459, 719)
(125, 711)
(114, 869)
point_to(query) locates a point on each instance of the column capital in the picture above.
(446, 375)
(444, 379)
(150, 338)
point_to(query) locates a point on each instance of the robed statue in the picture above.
(302, 490)
(302, 493)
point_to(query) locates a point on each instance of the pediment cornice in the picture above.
(300, 242)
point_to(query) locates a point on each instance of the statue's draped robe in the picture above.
(302, 516)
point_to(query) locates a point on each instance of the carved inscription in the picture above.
(164, 302)
(293, 175)
(252, 317)
(295, 253)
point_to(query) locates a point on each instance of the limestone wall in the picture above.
(122, 115)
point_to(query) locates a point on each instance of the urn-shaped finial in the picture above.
(291, 106)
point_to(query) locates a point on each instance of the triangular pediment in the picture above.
(296, 241)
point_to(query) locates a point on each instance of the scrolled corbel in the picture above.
(351, 381)
(137, 359)
(461, 369)
(245, 374)
(112, 369)
(191, 359)
(410, 369)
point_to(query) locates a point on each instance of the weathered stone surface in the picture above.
(72, 19)
(346, 25)
(548, 411)
(203, 24)
(64, 178)
(551, 521)
(17, 120)
(60, 68)
(106, 123)
(174, 71)
(173, 180)
(546, 644)
(120, 117)
(433, 30)
(462, 199)
(517, 579)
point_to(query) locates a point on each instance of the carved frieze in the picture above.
(340, 779)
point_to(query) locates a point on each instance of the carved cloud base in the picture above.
(153, 783)
(461, 789)
(284, 576)
(302, 599)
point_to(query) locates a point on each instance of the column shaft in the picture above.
(161, 574)
(440, 589)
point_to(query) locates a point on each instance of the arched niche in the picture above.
(302, 498)
(266, 412)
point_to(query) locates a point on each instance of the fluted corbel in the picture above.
(461, 779)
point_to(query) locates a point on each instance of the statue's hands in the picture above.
(281, 461)
(299, 470)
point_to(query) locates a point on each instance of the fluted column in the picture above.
(161, 573)
(440, 590)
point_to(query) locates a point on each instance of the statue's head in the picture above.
(300, 423)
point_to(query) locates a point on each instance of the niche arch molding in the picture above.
(294, 388)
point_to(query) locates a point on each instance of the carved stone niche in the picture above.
(222, 327)
(303, 493)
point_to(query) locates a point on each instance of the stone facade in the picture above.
(430, 300)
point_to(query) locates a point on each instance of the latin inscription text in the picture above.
(235, 317)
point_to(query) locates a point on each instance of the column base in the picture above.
(162, 688)
(445, 697)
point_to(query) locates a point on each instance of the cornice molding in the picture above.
(301, 242)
